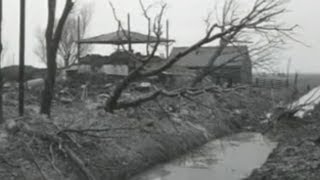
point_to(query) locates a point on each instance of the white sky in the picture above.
(186, 21)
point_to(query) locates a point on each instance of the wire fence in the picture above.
(271, 83)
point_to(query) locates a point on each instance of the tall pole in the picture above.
(1, 110)
(129, 34)
(149, 34)
(167, 44)
(288, 71)
(22, 54)
(118, 33)
(79, 44)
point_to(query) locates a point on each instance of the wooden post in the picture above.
(129, 34)
(288, 71)
(296, 81)
(79, 37)
(167, 44)
(21, 58)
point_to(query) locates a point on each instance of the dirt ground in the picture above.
(83, 142)
(297, 156)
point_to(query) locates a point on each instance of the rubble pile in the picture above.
(81, 141)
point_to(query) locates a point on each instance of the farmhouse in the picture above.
(233, 65)
(120, 62)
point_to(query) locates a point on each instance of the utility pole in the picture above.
(149, 34)
(129, 34)
(79, 44)
(21, 57)
(1, 80)
(167, 44)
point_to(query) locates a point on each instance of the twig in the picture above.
(76, 159)
(52, 161)
(34, 161)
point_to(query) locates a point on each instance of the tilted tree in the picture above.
(53, 37)
(262, 18)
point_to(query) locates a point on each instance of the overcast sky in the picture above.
(187, 26)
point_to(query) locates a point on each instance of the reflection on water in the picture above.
(230, 158)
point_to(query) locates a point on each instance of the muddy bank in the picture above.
(128, 141)
(298, 153)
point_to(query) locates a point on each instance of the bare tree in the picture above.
(77, 22)
(260, 28)
(40, 50)
(261, 18)
(53, 36)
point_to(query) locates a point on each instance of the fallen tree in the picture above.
(261, 19)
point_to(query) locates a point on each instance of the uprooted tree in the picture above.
(75, 27)
(235, 26)
(53, 36)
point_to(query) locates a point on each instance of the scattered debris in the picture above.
(35, 84)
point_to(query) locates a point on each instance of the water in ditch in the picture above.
(230, 158)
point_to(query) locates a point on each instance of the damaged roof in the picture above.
(200, 57)
(121, 37)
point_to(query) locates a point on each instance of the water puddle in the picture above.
(230, 158)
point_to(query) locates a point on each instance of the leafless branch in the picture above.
(261, 20)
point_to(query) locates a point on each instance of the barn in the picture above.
(233, 65)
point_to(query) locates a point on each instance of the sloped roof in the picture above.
(121, 37)
(179, 70)
(116, 58)
(201, 56)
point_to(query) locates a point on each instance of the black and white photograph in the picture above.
(159, 90)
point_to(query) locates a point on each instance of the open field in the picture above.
(304, 80)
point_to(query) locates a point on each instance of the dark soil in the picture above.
(298, 153)
(132, 140)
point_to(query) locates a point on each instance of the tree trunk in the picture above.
(48, 92)
(111, 103)
(21, 53)
(67, 60)
(52, 44)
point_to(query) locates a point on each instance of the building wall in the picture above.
(227, 75)
(121, 70)
(246, 72)
(84, 68)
